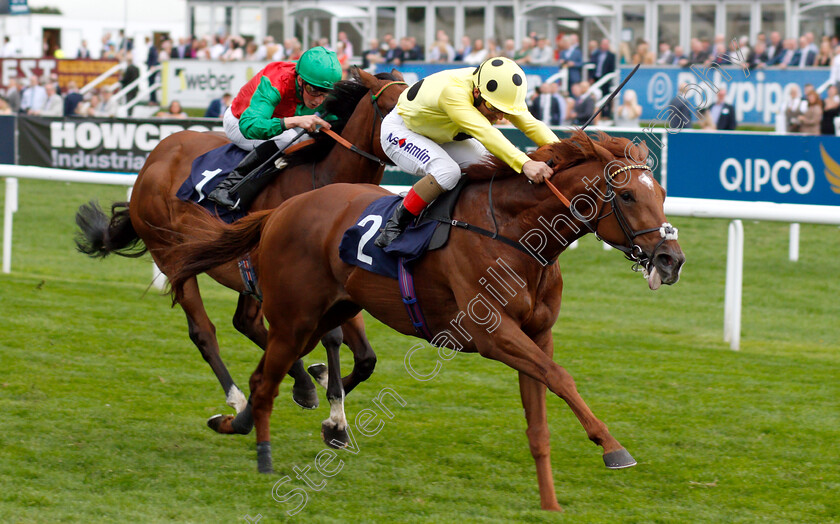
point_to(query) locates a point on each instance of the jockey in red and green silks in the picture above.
(270, 111)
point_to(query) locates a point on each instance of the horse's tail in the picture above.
(214, 244)
(99, 236)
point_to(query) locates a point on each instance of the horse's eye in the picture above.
(627, 196)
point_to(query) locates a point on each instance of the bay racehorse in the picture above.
(155, 220)
(309, 290)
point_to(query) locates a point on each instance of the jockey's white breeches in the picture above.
(283, 140)
(420, 155)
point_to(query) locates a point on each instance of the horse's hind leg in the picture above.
(281, 353)
(203, 335)
(333, 429)
(364, 359)
(248, 320)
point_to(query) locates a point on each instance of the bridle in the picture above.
(632, 251)
(335, 136)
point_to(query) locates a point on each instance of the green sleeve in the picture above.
(256, 122)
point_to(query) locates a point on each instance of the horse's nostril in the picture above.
(664, 260)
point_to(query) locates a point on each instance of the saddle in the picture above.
(441, 211)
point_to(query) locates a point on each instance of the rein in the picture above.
(335, 136)
(634, 253)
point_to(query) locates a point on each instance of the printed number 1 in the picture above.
(377, 221)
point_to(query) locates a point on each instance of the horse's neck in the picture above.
(531, 213)
(343, 165)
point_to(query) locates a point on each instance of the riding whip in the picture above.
(610, 98)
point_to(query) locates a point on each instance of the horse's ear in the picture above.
(367, 79)
(353, 73)
(397, 75)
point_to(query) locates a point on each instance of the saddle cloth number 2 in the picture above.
(376, 220)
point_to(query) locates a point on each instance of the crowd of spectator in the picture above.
(573, 103)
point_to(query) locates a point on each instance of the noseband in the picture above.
(632, 251)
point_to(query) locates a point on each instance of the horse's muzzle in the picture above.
(665, 265)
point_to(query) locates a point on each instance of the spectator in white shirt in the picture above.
(108, 106)
(216, 50)
(542, 53)
(53, 104)
(834, 76)
(34, 96)
(478, 53)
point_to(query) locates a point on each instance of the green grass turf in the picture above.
(105, 397)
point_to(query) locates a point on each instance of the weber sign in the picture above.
(114, 145)
(194, 83)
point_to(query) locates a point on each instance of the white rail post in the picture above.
(734, 285)
(11, 208)
(794, 242)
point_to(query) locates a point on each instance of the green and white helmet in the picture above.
(319, 67)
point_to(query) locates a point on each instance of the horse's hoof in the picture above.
(215, 422)
(264, 458)
(243, 422)
(307, 398)
(619, 459)
(319, 373)
(334, 437)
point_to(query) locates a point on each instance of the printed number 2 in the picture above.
(377, 221)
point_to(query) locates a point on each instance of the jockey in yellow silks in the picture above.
(444, 123)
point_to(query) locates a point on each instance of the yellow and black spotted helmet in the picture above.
(502, 83)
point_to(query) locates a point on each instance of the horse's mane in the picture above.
(567, 153)
(341, 102)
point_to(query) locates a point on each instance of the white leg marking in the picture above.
(236, 399)
(337, 419)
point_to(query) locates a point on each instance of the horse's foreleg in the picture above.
(533, 400)
(364, 359)
(203, 335)
(243, 423)
(248, 320)
(509, 345)
(334, 429)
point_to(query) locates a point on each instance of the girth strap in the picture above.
(482, 231)
(249, 278)
(409, 298)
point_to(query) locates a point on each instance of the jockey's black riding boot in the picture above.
(226, 193)
(395, 226)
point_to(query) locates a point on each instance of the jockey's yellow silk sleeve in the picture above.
(256, 122)
(536, 130)
(442, 107)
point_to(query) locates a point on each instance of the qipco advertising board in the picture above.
(785, 169)
(758, 95)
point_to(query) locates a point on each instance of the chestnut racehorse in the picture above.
(155, 220)
(309, 290)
